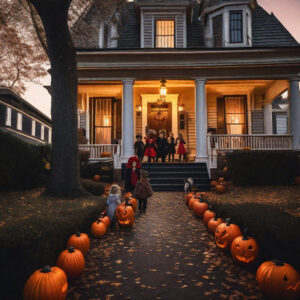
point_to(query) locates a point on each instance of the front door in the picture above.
(160, 117)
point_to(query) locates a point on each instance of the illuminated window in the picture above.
(236, 117)
(165, 34)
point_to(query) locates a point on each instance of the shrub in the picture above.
(95, 188)
(262, 167)
(103, 168)
(22, 165)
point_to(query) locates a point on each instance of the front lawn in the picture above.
(34, 229)
(272, 214)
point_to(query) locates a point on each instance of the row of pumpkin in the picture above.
(276, 279)
(51, 283)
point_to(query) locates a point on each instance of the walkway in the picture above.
(167, 255)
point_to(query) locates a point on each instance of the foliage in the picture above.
(35, 229)
(22, 165)
(95, 188)
(262, 167)
(102, 168)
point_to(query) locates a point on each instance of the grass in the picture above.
(272, 214)
(34, 229)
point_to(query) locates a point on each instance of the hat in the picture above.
(138, 136)
(131, 160)
(145, 174)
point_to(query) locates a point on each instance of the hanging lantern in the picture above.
(139, 108)
(163, 88)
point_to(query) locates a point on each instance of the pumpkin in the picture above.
(226, 233)
(297, 180)
(128, 195)
(98, 228)
(105, 168)
(278, 280)
(220, 188)
(105, 154)
(72, 262)
(192, 202)
(202, 194)
(209, 214)
(199, 208)
(105, 220)
(188, 197)
(214, 183)
(221, 179)
(213, 224)
(46, 284)
(133, 202)
(225, 169)
(125, 215)
(96, 178)
(79, 241)
(244, 249)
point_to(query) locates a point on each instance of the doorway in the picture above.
(160, 117)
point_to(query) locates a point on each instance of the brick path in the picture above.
(167, 255)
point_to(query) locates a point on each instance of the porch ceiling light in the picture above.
(181, 107)
(139, 108)
(163, 88)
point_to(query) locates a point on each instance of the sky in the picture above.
(287, 11)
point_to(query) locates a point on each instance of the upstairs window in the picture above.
(165, 34)
(236, 27)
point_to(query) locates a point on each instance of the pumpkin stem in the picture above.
(228, 221)
(245, 234)
(278, 262)
(46, 269)
(71, 249)
(78, 234)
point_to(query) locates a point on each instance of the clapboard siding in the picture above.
(257, 121)
(82, 120)
(212, 111)
(138, 125)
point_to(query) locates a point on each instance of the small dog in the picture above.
(188, 184)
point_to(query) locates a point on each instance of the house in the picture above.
(225, 73)
(23, 120)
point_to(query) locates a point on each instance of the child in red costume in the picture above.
(181, 149)
(133, 173)
(150, 147)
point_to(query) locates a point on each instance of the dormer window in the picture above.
(236, 27)
(165, 33)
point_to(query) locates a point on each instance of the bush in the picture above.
(22, 165)
(262, 167)
(95, 188)
(36, 231)
(103, 168)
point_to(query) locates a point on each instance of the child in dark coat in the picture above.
(162, 147)
(143, 191)
(172, 145)
(139, 148)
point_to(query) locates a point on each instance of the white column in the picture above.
(50, 135)
(87, 124)
(19, 121)
(42, 132)
(201, 121)
(33, 128)
(127, 120)
(268, 125)
(295, 112)
(8, 116)
(101, 35)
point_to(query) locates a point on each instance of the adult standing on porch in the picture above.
(181, 149)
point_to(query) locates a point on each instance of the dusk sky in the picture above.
(287, 11)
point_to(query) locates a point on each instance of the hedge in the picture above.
(103, 168)
(95, 188)
(34, 233)
(276, 231)
(262, 167)
(22, 165)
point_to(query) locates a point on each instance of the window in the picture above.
(46, 134)
(165, 34)
(2, 114)
(26, 124)
(14, 118)
(38, 129)
(236, 27)
(280, 114)
(235, 115)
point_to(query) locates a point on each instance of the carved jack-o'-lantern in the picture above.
(209, 214)
(278, 280)
(213, 224)
(244, 249)
(200, 207)
(226, 233)
(125, 215)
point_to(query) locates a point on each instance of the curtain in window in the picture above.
(235, 108)
(165, 34)
(103, 122)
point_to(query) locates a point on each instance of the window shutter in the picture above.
(179, 31)
(148, 34)
(221, 116)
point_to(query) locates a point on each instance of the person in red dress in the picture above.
(132, 173)
(150, 147)
(181, 149)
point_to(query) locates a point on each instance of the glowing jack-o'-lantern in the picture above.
(278, 280)
(226, 233)
(125, 215)
(209, 214)
(213, 224)
(244, 249)
(200, 207)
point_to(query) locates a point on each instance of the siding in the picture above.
(257, 117)
(212, 111)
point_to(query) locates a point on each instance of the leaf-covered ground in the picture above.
(168, 254)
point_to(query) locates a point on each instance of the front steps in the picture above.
(170, 176)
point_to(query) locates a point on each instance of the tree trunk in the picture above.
(64, 177)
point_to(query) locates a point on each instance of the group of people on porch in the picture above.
(159, 146)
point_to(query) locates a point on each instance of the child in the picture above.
(181, 149)
(162, 146)
(132, 173)
(150, 147)
(143, 191)
(113, 201)
(172, 145)
(139, 148)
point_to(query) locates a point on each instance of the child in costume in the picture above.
(113, 201)
(162, 146)
(132, 173)
(150, 147)
(181, 149)
(139, 148)
(172, 144)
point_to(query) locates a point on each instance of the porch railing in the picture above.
(218, 142)
(96, 150)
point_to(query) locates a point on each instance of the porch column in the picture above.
(295, 112)
(268, 125)
(127, 120)
(201, 121)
